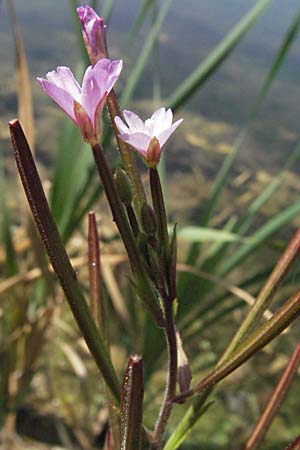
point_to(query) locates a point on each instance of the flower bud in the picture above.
(123, 186)
(184, 374)
(94, 33)
(148, 219)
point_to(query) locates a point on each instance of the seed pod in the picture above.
(148, 219)
(123, 186)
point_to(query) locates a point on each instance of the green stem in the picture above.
(161, 217)
(146, 291)
(170, 391)
(126, 154)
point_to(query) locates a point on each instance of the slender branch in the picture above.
(288, 312)
(146, 291)
(126, 154)
(277, 398)
(170, 391)
(160, 212)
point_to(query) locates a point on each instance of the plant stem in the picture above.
(126, 154)
(146, 291)
(170, 391)
(161, 217)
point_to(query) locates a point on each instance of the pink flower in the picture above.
(147, 138)
(83, 104)
(94, 33)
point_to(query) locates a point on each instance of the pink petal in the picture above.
(92, 92)
(60, 96)
(134, 122)
(121, 125)
(139, 141)
(64, 78)
(164, 136)
(97, 83)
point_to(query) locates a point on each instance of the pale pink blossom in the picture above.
(149, 137)
(94, 33)
(83, 104)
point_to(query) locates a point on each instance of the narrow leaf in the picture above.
(58, 256)
(215, 58)
(275, 402)
(132, 405)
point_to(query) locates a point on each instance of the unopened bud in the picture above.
(148, 219)
(123, 186)
(184, 374)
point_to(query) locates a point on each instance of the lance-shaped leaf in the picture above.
(132, 405)
(267, 292)
(294, 445)
(277, 398)
(288, 312)
(58, 256)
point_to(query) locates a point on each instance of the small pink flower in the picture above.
(83, 104)
(94, 33)
(147, 138)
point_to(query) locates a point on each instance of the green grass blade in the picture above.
(106, 9)
(260, 237)
(144, 55)
(11, 265)
(279, 59)
(145, 8)
(228, 162)
(215, 58)
(204, 234)
(78, 31)
(189, 420)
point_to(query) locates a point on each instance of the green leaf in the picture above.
(189, 420)
(203, 234)
(207, 67)
(144, 55)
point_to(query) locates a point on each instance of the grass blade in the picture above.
(215, 58)
(25, 105)
(144, 55)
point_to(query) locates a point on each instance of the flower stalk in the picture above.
(145, 289)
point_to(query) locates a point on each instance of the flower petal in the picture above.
(121, 125)
(162, 120)
(134, 122)
(97, 83)
(64, 78)
(164, 136)
(139, 141)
